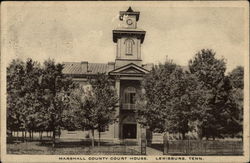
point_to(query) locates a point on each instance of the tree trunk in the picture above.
(41, 135)
(149, 137)
(93, 138)
(199, 132)
(30, 135)
(213, 137)
(25, 135)
(47, 133)
(99, 140)
(53, 117)
(59, 134)
(53, 139)
(183, 136)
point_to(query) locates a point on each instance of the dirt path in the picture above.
(152, 151)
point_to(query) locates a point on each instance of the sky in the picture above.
(82, 31)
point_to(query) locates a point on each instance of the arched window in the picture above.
(129, 46)
(129, 95)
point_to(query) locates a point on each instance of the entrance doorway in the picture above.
(129, 131)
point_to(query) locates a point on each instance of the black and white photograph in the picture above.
(125, 81)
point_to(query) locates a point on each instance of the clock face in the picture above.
(129, 22)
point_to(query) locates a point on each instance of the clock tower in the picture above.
(128, 39)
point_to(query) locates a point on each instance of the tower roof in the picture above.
(120, 32)
(130, 11)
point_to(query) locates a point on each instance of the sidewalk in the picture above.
(152, 152)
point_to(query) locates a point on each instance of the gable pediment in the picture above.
(130, 69)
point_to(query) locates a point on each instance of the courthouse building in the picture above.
(127, 71)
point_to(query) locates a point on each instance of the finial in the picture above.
(130, 9)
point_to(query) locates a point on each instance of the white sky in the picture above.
(82, 31)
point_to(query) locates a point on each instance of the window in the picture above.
(129, 46)
(129, 95)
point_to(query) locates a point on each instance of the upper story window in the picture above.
(129, 46)
(129, 95)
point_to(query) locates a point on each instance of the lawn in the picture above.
(69, 148)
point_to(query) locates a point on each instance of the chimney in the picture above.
(84, 67)
(148, 66)
(111, 66)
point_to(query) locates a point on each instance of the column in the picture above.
(116, 125)
(139, 48)
(139, 128)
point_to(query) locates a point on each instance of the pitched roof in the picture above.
(94, 68)
(84, 68)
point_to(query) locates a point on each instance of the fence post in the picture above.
(165, 144)
(205, 145)
(201, 147)
(143, 144)
(233, 147)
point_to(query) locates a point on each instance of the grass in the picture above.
(69, 148)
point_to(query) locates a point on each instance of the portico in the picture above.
(127, 84)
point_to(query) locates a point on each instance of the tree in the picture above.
(15, 81)
(23, 90)
(235, 113)
(96, 105)
(84, 111)
(178, 120)
(36, 96)
(107, 99)
(237, 77)
(56, 88)
(162, 106)
(32, 102)
(210, 92)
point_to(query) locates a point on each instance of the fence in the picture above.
(113, 150)
(203, 147)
